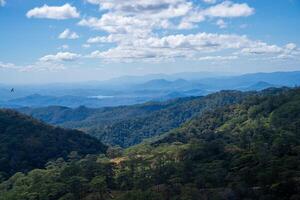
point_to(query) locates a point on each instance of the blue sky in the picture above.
(70, 41)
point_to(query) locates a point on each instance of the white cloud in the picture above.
(153, 7)
(289, 51)
(189, 21)
(86, 46)
(131, 54)
(54, 12)
(190, 46)
(229, 9)
(221, 23)
(105, 39)
(60, 56)
(198, 41)
(119, 24)
(37, 66)
(114, 23)
(135, 28)
(226, 9)
(184, 24)
(96, 40)
(217, 58)
(291, 46)
(137, 17)
(262, 48)
(2, 2)
(43, 66)
(67, 34)
(64, 47)
(172, 46)
(7, 66)
(142, 18)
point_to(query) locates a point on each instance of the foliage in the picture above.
(26, 143)
(250, 150)
(129, 125)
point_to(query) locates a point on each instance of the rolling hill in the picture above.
(246, 150)
(129, 125)
(26, 143)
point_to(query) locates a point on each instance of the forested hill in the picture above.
(26, 143)
(249, 150)
(269, 109)
(252, 147)
(129, 125)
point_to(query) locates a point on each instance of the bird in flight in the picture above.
(12, 90)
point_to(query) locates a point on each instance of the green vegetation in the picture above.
(249, 150)
(129, 125)
(26, 143)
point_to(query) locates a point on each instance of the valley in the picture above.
(244, 146)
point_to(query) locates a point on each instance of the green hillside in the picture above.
(26, 143)
(250, 150)
(129, 125)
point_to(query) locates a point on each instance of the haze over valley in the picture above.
(136, 89)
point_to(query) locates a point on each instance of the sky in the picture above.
(84, 40)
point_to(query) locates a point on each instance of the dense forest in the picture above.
(246, 150)
(26, 143)
(129, 125)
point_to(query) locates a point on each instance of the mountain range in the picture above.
(136, 90)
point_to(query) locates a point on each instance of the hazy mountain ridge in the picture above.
(127, 91)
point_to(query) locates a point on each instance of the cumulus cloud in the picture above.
(144, 17)
(2, 2)
(119, 24)
(113, 23)
(54, 12)
(135, 28)
(67, 34)
(153, 7)
(138, 17)
(229, 9)
(131, 54)
(60, 56)
(225, 9)
(185, 46)
(172, 46)
(106, 39)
